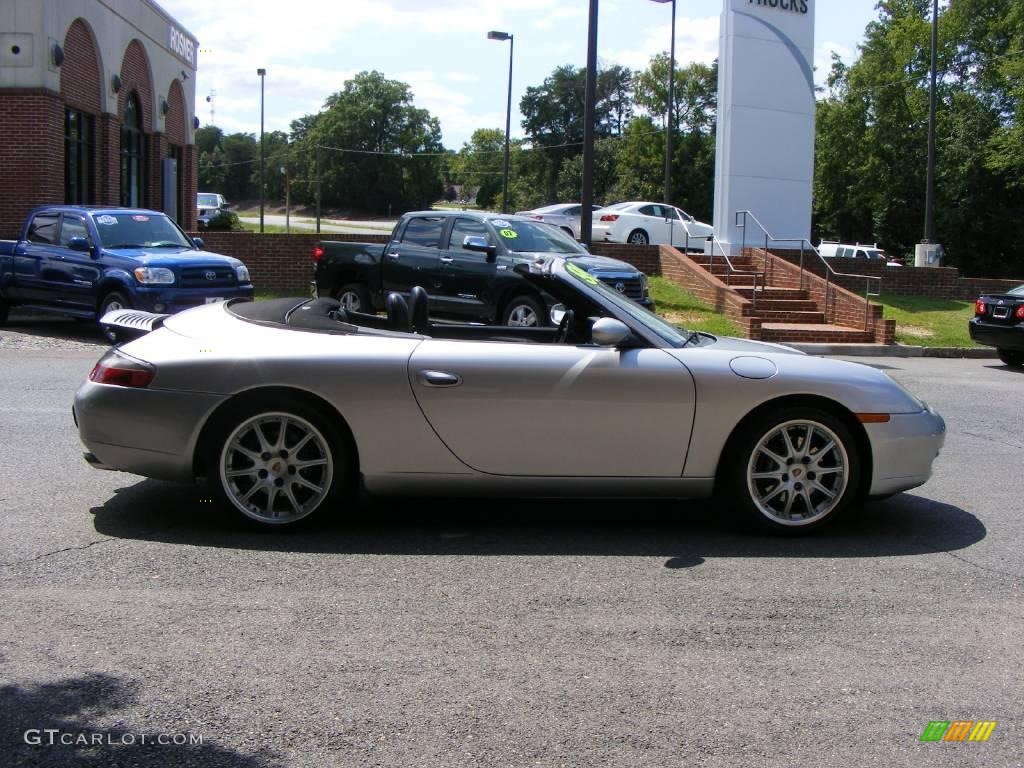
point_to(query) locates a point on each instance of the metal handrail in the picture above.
(830, 273)
(758, 276)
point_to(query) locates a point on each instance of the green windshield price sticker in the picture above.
(581, 273)
(511, 234)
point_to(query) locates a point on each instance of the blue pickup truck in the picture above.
(86, 261)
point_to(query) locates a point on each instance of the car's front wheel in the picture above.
(277, 464)
(794, 470)
(4, 309)
(354, 297)
(112, 301)
(1012, 357)
(524, 311)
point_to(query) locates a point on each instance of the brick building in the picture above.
(97, 106)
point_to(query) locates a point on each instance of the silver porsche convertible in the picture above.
(285, 406)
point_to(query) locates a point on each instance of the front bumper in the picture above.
(1001, 336)
(149, 432)
(171, 299)
(904, 449)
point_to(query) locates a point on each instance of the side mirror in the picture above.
(480, 244)
(79, 244)
(609, 332)
(198, 242)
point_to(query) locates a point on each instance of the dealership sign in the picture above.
(183, 45)
(795, 6)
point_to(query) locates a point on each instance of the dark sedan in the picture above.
(999, 322)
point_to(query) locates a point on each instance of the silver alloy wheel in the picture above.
(112, 306)
(276, 468)
(523, 315)
(798, 472)
(349, 301)
(638, 238)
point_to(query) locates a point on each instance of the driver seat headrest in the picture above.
(398, 313)
(419, 309)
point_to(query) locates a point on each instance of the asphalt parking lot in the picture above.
(415, 632)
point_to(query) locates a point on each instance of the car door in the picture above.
(652, 220)
(466, 276)
(79, 271)
(555, 409)
(414, 256)
(32, 264)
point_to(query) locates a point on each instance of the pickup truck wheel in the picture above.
(638, 237)
(524, 311)
(113, 300)
(4, 309)
(355, 298)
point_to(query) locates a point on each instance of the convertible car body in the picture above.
(285, 405)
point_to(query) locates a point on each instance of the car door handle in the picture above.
(447, 259)
(394, 255)
(439, 379)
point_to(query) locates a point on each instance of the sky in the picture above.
(440, 49)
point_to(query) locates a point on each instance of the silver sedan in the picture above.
(286, 406)
(565, 216)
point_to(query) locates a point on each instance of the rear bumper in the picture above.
(177, 299)
(904, 449)
(1001, 336)
(148, 432)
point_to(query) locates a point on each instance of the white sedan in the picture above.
(565, 216)
(649, 223)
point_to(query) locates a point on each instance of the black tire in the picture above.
(638, 237)
(355, 297)
(752, 480)
(524, 310)
(111, 301)
(5, 308)
(1011, 357)
(326, 442)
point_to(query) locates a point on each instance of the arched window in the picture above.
(133, 154)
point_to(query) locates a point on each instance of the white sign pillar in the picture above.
(765, 136)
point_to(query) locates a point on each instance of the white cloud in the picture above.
(696, 40)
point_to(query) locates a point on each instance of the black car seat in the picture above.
(398, 313)
(418, 310)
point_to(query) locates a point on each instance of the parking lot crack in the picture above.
(45, 555)
(1016, 577)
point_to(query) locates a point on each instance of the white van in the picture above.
(830, 249)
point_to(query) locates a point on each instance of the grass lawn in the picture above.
(682, 308)
(269, 228)
(928, 322)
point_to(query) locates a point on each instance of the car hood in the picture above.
(733, 344)
(177, 257)
(593, 263)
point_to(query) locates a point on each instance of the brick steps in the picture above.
(785, 305)
(822, 333)
(772, 293)
(791, 316)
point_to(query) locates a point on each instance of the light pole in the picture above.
(495, 35)
(263, 75)
(287, 200)
(671, 98)
(589, 99)
(926, 253)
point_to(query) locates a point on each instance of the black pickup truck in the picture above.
(464, 260)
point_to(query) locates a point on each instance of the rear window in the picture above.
(424, 231)
(207, 201)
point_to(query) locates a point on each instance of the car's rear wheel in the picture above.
(112, 301)
(354, 297)
(1012, 357)
(638, 237)
(278, 464)
(524, 311)
(794, 470)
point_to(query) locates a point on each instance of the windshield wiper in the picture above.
(167, 244)
(125, 245)
(694, 336)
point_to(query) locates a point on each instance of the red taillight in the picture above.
(536, 217)
(610, 217)
(121, 373)
(318, 253)
(979, 307)
(1019, 314)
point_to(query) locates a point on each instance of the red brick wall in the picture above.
(31, 154)
(80, 74)
(939, 282)
(135, 78)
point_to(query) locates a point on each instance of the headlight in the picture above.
(243, 273)
(154, 276)
(643, 283)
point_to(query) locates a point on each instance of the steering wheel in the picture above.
(562, 334)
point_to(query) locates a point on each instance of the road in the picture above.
(412, 632)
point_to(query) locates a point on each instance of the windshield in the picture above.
(674, 337)
(533, 237)
(139, 230)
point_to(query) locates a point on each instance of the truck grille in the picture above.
(631, 288)
(196, 277)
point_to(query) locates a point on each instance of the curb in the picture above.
(894, 350)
